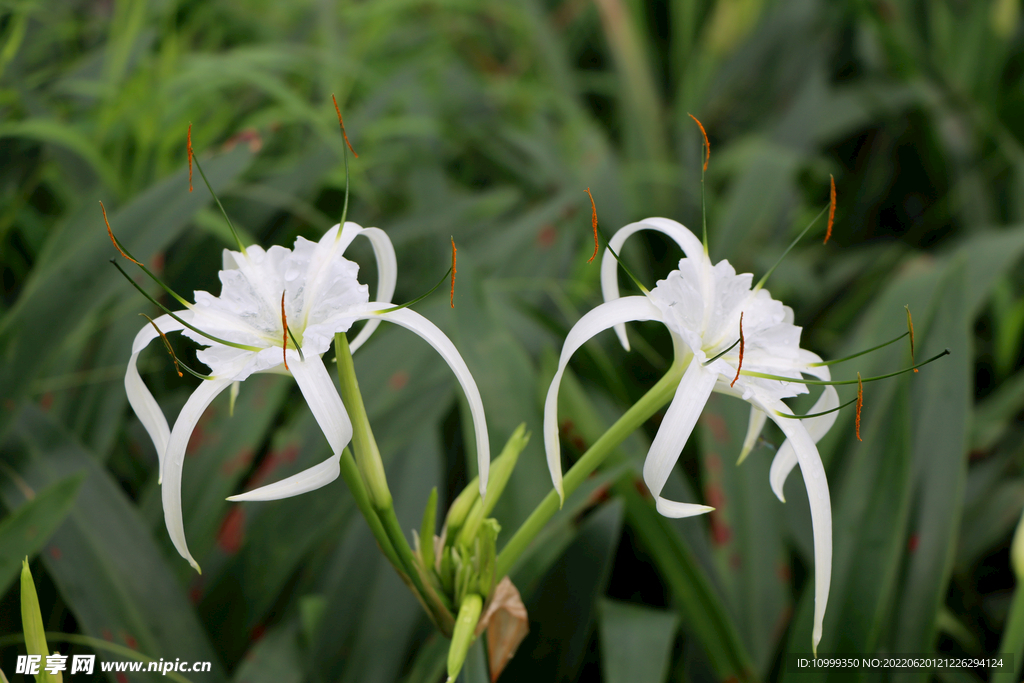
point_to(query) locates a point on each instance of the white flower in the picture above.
(318, 291)
(701, 304)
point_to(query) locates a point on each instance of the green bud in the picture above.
(32, 624)
(447, 574)
(487, 553)
(427, 531)
(501, 470)
(462, 637)
(503, 465)
(460, 508)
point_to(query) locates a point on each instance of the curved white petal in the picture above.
(303, 482)
(817, 427)
(821, 508)
(174, 458)
(387, 274)
(754, 426)
(688, 403)
(601, 318)
(139, 397)
(411, 320)
(686, 240)
(322, 396)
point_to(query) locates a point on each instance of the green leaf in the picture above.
(102, 559)
(747, 529)
(941, 403)
(507, 380)
(32, 625)
(636, 642)
(564, 605)
(29, 527)
(74, 263)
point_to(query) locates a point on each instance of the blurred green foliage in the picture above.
(484, 120)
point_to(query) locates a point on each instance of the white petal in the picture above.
(688, 403)
(142, 402)
(601, 318)
(817, 427)
(387, 273)
(821, 508)
(411, 320)
(303, 482)
(174, 458)
(318, 388)
(754, 426)
(687, 241)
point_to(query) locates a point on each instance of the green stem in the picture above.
(365, 446)
(639, 413)
(1013, 638)
(369, 470)
(350, 473)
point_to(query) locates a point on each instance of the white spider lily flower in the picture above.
(316, 289)
(701, 304)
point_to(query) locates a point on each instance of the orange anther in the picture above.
(831, 208)
(860, 404)
(593, 223)
(188, 148)
(284, 324)
(910, 327)
(114, 239)
(707, 145)
(343, 133)
(167, 343)
(740, 366)
(452, 298)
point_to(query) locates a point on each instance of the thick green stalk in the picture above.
(370, 470)
(365, 446)
(350, 473)
(639, 413)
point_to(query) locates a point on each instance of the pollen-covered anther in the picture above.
(739, 366)
(860, 404)
(188, 149)
(593, 223)
(707, 145)
(284, 344)
(910, 328)
(114, 239)
(831, 207)
(452, 296)
(167, 343)
(342, 124)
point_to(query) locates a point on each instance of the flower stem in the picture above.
(639, 413)
(350, 473)
(363, 443)
(368, 470)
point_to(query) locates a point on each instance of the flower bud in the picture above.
(462, 638)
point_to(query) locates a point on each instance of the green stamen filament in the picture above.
(824, 412)
(244, 347)
(711, 360)
(819, 382)
(177, 364)
(799, 237)
(420, 297)
(127, 255)
(860, 353)
(231, 226)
